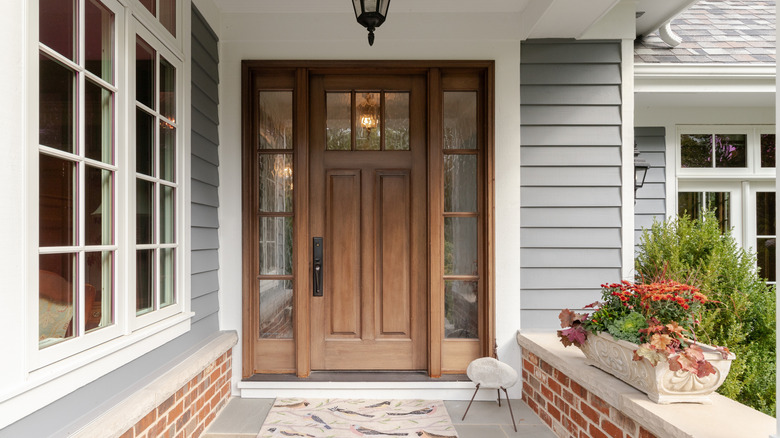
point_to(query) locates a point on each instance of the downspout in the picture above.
(668, 35)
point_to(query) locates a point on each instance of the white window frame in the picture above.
(741, 183)
(37, 377)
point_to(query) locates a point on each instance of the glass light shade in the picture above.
(371, 14)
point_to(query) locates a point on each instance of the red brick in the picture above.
(563, 378)
(528, 366)
(180, 393)
(532, 404)
(599, 404)
(611, 429)
(158, 429)
(199, 431)
(578, 390)
(595, 432)
(540, 400)
(175, 412)
(569, 397)
(181, 421)
(644, 433)
(546, 367)
(533, 358)
(554, 412)
(129, 434)
(590, 413)
(145, 422)
(164, 406)
(554, 386)
(545, 417)
(578, 419)
(547, 393)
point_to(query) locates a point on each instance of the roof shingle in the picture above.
(716, 31)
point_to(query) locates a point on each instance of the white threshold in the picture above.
(432, 390)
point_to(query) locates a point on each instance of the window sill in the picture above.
(54, 381)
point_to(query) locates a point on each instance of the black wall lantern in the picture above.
(371, 14)
(640, 170)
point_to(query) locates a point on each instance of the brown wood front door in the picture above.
(368, 203)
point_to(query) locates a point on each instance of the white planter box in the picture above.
(659, 383)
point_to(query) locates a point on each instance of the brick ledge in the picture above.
(134, 408)
(723, 418)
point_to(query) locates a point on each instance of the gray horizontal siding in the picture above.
(571, 187)
(651, 198)
(205, 171)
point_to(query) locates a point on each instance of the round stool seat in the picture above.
(491, 373)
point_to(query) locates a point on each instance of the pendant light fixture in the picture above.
(371, 14)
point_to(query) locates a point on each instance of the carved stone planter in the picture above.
(659, 383)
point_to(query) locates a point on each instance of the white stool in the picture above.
(487, 372)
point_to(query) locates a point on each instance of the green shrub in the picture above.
(743, 319)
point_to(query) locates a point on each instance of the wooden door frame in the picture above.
(435, 72)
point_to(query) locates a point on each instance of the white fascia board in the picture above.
(664, 78)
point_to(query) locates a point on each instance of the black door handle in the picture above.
(317, 266)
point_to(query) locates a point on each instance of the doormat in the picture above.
(338, 417)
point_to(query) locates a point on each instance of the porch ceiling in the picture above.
(537, 18)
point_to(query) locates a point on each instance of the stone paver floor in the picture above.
(242, 418)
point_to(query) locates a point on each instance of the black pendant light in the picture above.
(371, 14)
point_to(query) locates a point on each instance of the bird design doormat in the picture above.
(348, 418)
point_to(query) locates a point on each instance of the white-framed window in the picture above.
(730, 170)
(79, 312)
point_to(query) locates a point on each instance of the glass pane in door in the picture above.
(367, 121)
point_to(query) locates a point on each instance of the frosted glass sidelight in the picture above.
(275, 120)
(276, 246)
(461, 309)
(459, 112)
(276, 309)
(460, 246)
(460, 183)
(275, 182)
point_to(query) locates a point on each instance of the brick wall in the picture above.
(188, 411)
(570, 410)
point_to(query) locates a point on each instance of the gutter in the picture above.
(757, 78)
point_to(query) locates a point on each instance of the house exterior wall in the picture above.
(72, 412)
(651, 198)
(570, 160)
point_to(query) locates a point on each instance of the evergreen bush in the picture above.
(694, 251)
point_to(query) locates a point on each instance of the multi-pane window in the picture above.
(155, 185)
(275, 216)
(164, 11)
(461, 214)
(730, 170)
(108, 178)
(77, 169)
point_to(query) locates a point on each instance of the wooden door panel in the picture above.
(342, 253)
(394, 261)
(373, 312)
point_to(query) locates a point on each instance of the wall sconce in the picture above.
(640, 170)
(371, 14)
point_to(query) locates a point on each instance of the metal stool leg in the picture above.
(499, 397)
(469, 406)
(510, 408)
